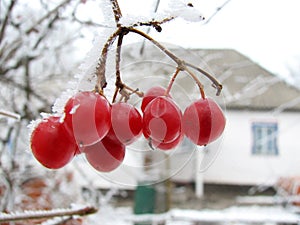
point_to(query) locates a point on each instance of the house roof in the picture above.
(246, 84)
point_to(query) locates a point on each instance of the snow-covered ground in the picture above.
(233, 215)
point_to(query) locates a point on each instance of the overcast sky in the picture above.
(264, 30)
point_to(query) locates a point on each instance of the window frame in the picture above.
(268, 132)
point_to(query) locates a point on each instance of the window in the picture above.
(264, 138)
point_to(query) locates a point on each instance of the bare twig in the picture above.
(172, 81)
(216, 11)
(47, 15)
(100, 69)
(10, 114)
(121, 32)
(216, 83)
(6, 18)
(44, 214)
(117, 10)
(182, 64)
(119, 84)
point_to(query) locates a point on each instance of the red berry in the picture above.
(51, 144)
(162, 120)
(87, 116)
(203, 121)
(107, 154)
(169, 145)
(152, 93)
(126, 122)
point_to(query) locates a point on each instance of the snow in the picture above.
(232, 215)
(254, 214)
(176, 9)
(184, 10)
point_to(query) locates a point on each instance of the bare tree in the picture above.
(37, 47)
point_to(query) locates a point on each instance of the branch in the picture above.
(100, 69)
(182, 64)
(44, 214)
(10, 114)
(148, 30)
(119, 83)
(22, 87)
(120, 32)
(216, 83)
(216, 11)
(46, 16)
(5, 22)
(116, 10)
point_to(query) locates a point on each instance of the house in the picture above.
(263, 120)
(260, 142)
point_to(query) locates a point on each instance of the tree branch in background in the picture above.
(218, 9)
(6, 19)
(10, 114)
(47, 15)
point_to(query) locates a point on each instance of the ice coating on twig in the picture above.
(185, 10)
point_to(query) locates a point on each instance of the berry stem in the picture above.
(100, 69)
(121, 32)
(182, 64)
(172, 81)
(200, 85)
(216, 84)
(118, 83)
(120, 86)
(156, 43)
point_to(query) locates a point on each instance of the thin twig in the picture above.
(116, 10)
(135, 91)
(46, 16)
(148, 30)
(216, 83)
(172, 81)
(10, 114)
(160, 46)
(44, 214)
(181, 63)
(100, 69)
(216, 11)
(119, 84)
(6, 18)
(121, 31)
(200, 85)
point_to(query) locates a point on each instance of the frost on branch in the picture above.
(185, 10)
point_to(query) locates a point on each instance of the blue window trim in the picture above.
(268, 130)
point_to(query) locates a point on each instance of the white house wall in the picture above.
(236, 165)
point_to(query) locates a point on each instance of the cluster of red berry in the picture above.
(100, 130)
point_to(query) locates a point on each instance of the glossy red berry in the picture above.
(162, 120)
(107, 154)
(152, 93)
(203, 121)
(52, 145)
(87, 116)
(126, 122)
